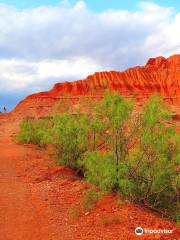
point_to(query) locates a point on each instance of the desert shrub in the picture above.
(35, 131)
(141, 154)
(117, 113)
(100, 169)
(69, 137)
(96, 133)
(134, 154)
(149, 173)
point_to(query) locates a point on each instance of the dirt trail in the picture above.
(34, 206)
(22, 215)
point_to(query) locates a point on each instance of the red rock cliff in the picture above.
(158, 75)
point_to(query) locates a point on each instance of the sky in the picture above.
(44, 42)
(94, 5)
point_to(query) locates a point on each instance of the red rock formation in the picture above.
(158, 75)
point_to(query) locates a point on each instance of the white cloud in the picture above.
(19, 74)
(54, 43)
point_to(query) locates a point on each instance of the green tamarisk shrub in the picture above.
(35, 131)
(69, 137)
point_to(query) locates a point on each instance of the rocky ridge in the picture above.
(159, 75)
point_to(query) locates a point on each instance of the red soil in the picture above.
(35, 200)
(158, 75)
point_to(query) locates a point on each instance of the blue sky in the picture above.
(69, 41)
(95, 5)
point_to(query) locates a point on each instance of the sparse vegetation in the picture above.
(35, 131)
(73, 212)
(120, 202)
(89, 199)
(110, 220)
(69, 137)
(134, 154)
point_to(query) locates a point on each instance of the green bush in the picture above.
(100, 170)
(150, 172)
(141, 157)
(69, 137)
(35, 131)
(103, 167)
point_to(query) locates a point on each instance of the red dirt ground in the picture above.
(35, 201)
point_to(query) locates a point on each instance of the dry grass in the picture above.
(73, 212)
(89, 199)
(111, 220)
